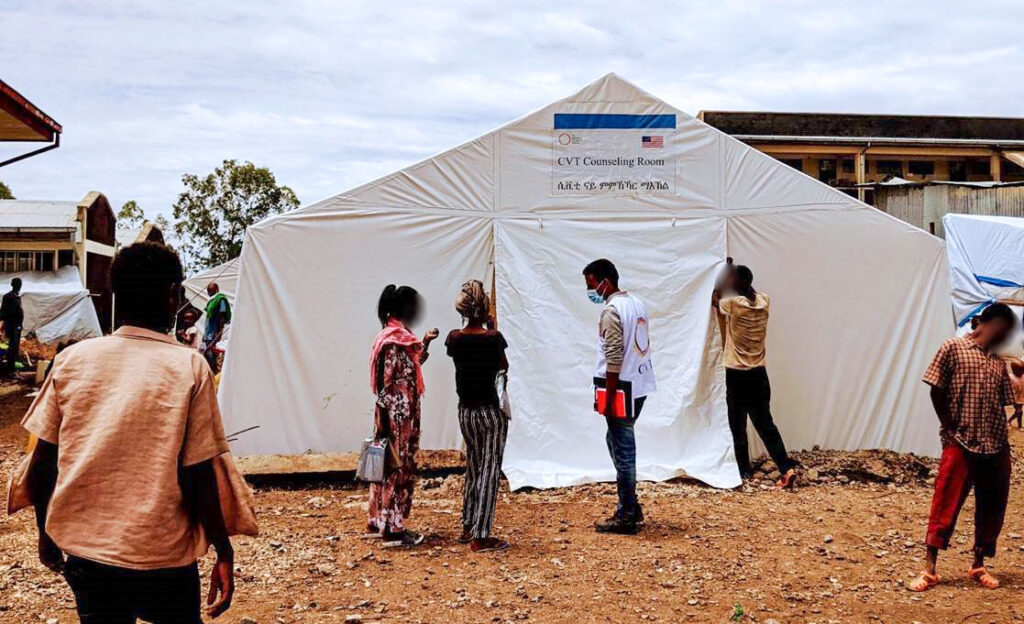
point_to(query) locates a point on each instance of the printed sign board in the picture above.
(612, 154)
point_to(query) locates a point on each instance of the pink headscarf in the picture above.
(397, 334)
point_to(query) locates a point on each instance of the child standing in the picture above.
(970, 389)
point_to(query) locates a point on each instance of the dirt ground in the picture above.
(838, 549)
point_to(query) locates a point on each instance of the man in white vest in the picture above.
(624, 376)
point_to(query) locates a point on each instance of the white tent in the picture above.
(57, 307)
(860, 300)
(986, 262)
(226, 277)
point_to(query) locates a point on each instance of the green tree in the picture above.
(162, 223)
(212, 213)
(131, 215)
(5, 192)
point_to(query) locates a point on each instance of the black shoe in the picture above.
(618, 524)
(638, 515)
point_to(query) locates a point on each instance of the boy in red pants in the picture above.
(970, 389)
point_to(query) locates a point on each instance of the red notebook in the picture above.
(601, 398)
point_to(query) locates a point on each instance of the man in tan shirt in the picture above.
(744, 317)
(123, 477)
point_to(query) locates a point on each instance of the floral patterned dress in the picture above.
(397, 411)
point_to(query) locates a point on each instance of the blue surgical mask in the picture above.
(595, 296)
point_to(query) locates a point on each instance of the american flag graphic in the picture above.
(653, 141)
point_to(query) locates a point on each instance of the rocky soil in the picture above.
(838, 549)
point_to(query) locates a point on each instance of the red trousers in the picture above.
(958, 471)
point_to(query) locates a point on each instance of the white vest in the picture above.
(636, 346)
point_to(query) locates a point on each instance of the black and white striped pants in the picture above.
(484, 428)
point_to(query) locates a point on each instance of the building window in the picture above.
(980, 167)
(796, 163)
(19, 261)
(957, 171)
(1012, 170)
(921, 167)
(827, 170)
(889, 167)
(65, 257)
(848, 165)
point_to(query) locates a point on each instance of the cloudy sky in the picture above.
(330, 94)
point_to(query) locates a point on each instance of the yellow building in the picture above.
(844, 150)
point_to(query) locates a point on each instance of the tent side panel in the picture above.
(556, 439)
(461, 178)
(298, 364)
(755, 180)
(859, 306)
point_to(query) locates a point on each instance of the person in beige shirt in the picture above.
(744, 321)
(126, 474)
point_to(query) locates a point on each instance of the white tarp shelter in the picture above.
(226, 277)
(860, 299)
(986, 262)
(57, 307)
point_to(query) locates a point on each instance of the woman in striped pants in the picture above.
(479, 355)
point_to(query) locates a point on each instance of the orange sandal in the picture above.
(923, 582)
(788, 480)
(983, 578)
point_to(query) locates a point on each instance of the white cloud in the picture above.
(331, 94)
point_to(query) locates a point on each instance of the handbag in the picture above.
(376, 459)
(372, 458)
(501, 385)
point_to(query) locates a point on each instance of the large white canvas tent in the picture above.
(860, 300)
(986, 262)
(57, 307)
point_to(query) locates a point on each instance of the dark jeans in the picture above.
(210, 355)
(622, 447)
(110, 595)
(13, 350)
(748, 393)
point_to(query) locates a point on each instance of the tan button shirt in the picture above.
(977, 389)
(127, 412)
(746, 327)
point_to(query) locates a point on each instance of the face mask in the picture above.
(595, 296)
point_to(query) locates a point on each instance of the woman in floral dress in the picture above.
(397, 381)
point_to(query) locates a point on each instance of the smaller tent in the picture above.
(57, 306)
(986, 263)
(226, 277)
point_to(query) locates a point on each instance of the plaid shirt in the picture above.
(977, 389)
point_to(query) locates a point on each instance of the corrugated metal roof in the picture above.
(38, 215)
(860, 126)
(127, 237)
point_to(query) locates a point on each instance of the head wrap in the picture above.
(473, 303)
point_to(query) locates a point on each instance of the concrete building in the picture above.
(48, 235)
(845, 150)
